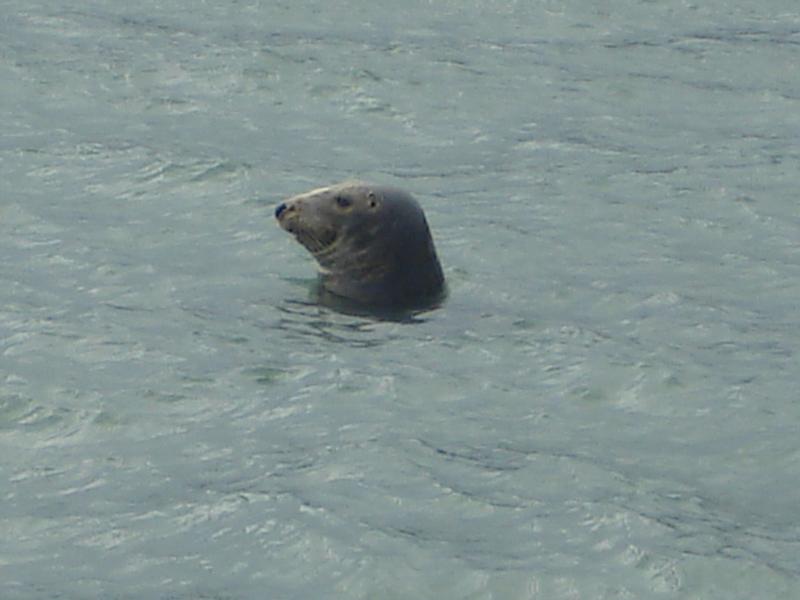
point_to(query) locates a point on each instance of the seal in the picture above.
(372, 243)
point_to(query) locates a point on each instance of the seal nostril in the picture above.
(279, 210)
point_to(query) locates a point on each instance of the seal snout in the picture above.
(279, 210)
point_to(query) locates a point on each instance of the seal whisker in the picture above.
(309, 239)
(329, 245)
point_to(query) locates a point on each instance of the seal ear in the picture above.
(372, 199)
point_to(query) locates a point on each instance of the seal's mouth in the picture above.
(316, 242)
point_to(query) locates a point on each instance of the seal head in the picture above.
(372, 243)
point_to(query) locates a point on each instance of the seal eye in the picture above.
(343, 201)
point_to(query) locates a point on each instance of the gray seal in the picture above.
(372, 243)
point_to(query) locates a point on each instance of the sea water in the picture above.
(606, 406)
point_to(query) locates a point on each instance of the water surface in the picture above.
(606, 405)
